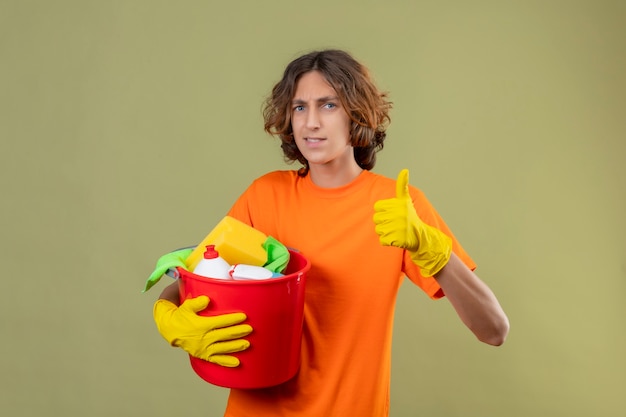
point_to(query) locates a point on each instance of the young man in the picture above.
(362, 233)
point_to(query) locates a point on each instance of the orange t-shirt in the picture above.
(350, 292)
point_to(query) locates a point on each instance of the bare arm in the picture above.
(474, 302)
(170, 293)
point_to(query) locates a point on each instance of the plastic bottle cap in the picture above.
(210, 252)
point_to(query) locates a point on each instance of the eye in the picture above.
(330, 105)
(298, 108)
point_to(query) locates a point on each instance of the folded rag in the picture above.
(168, 264)
(277, 255)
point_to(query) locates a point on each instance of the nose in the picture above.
(312, 119)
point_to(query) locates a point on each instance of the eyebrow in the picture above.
(319, 100)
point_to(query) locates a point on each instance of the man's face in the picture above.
(320, 124)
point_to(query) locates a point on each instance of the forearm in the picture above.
(170, 293)
(474, 302)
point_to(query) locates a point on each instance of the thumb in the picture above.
(402, 184)
(196, 304)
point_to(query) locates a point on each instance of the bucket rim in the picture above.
(247, 282)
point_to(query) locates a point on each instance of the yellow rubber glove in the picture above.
(208, 338)
(398, 224)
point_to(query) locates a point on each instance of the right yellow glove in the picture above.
(205, 337)
(398, 224)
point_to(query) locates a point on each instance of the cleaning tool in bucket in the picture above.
(168, 264)
(212, 265)
(241, 271)
(235, 241)
(277, 256)
(274, 309)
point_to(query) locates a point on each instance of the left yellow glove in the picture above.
(211, 338)
(398, 224)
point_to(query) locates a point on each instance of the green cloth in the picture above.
(277, 255)
(166, 262)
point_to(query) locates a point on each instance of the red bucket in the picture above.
(275, 308)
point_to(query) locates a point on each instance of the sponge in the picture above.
(236, 242)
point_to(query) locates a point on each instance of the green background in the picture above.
(128, 128)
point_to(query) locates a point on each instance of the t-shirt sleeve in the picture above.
(240, 210)
(429, 215)
(246, 208)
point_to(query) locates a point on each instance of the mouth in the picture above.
(314, 140)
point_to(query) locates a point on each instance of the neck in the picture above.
(332, 176)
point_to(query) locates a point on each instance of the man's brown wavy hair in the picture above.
(367, 107)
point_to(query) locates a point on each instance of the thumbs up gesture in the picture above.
(398, 224)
